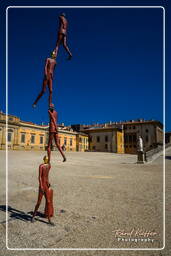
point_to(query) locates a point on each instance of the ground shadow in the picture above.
(168, 157)
(19, 215)
(39, 214)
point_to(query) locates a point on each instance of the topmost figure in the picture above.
(62, 35)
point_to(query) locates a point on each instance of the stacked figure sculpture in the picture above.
(53, 132)
(48, 78)
(62, 35)
(45, 190)
(50, 64)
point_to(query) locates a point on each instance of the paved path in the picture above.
(99, 193)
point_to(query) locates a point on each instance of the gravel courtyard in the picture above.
(95, 194)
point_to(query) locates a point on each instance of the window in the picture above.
(146, 138)
(134, 138)
(9, 136)
(98, 139)
(130, 138)
(90, 138)
(71, 142)
(106, 138)
(146, 130)
(65, 141)
(106, 147)
(10, 119)
(41, 139)
(23, 137)
(32, 139)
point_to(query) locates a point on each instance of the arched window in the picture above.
(9, 136)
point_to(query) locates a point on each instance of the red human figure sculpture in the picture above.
(62, 35)
(45, 190)
(49, 68)
(53, 132)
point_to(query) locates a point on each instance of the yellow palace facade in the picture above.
(23, 135)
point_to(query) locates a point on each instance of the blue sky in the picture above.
(116, 70)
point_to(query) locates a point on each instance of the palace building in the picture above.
(121, 137)
(150, 131)
(23, 135)
(116, 137)
(106, 139)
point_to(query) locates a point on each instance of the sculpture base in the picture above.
(140, 157)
